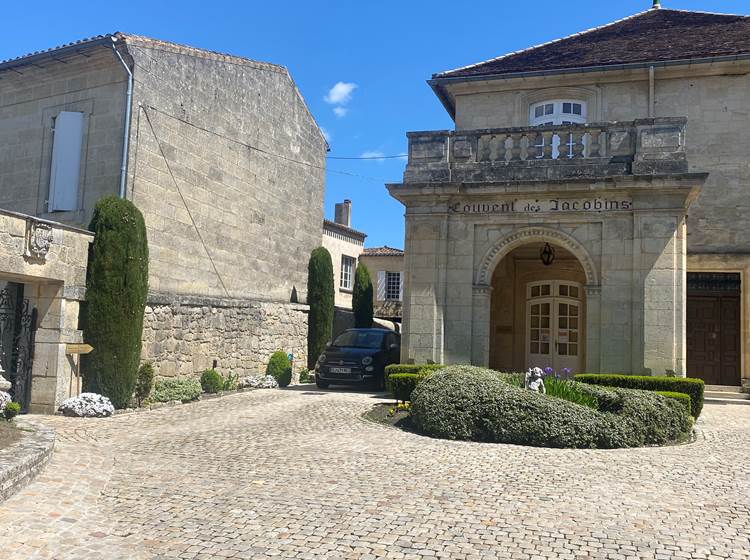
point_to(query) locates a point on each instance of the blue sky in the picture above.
(387, 49)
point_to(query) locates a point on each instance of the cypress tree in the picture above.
(116, 289)
(320, 298)
(362, 297)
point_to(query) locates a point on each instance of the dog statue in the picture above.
(534, 380)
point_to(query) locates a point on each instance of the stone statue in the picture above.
(534, 380)
(4, 383)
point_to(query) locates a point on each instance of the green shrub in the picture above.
(212, 381)
(362, 298)
(183, 389)
(411, 368)
(230, 382)
(401, 385)
(464, 402)
(304, 376)
(684, 398)
(320, 297)
(11, 410)
(279, 368)
(144, 383)
(687, 385)
(116, 289)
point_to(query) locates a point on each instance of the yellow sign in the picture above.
(78, 348)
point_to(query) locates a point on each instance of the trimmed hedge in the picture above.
(401, 385)
(688, 385)
(280, 368)
(470, 403)
(212, 381)
(411, 368)
(320, 298)
(116, 288)
(684, 398)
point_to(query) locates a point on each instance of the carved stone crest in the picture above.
(38, 239)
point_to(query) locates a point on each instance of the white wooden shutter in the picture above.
(400, 286)
(381, 285)
(66, 161)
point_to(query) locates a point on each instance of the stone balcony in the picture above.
(654, 146)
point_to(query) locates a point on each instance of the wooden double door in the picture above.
(713, 328)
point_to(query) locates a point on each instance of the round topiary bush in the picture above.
(212, 381)
(279, 368)
(469, 403)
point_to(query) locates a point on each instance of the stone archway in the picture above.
(483, 290)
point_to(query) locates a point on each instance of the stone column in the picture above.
(593, 328)
(480, 325)
(662, 271)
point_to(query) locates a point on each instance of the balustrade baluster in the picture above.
(485, 148)
(578, 145)
(515, 152)
(595, 136)
(547, 135)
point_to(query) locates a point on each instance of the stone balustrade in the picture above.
(643, 146)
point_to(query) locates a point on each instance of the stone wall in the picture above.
(227, 165)
(95, 85)
(184, 335)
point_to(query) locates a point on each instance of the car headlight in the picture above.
(322, 359)
(367, 360)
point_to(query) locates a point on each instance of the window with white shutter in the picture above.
(393, 286)
(381, 286)
(66, 161)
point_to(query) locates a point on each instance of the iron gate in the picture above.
(17, 329)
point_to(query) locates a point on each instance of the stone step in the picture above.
(726, 395)
(744, 402)
(723, 388)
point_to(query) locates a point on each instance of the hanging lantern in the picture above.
(547, 254)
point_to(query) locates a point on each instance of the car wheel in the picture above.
(321, 384)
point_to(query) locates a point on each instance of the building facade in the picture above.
(42, 282)
(386, 268)
(345, 245)
(589, 209)
(221, 155)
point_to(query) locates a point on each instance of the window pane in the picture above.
(549, 108)
(539, 111)
(574, 310)
(563, 290)
(562, 349)
(535, 309)
(546, 290)
(566, 108)
(545, 309)
(393, 286)
(573, 323)
(576, 108)
(573, 336)
(563, 309)
(544, 347)
(574, 291)
(347, 268)
(563, 322)
(535, 322)
(535, 291)
(545, 322)
(534, 334)
(573, 350)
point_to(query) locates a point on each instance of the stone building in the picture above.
(221, 155)
(42, 281)
(386, 267)
(345, 245)
(589, 210)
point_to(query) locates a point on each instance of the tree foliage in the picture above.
(320, 298)
(362, 298)
(116, 290)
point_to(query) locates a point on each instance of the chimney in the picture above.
(344, 213)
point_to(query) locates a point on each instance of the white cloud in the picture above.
(340, 112)
(340, 94)
(373, 155)
(327, 135)
(404, 156)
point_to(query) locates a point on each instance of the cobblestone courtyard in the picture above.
(298, 474)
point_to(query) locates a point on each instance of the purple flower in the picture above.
(549, 371)
(566, 372)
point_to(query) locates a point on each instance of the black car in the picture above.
(358, 357)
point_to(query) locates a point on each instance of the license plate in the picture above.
(341, 370)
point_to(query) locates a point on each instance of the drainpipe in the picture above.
(126, 135)
(651, 92)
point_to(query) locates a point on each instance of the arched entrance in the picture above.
(538, 311)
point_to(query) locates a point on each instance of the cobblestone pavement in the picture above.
(298, 474)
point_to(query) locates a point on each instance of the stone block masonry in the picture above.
(182, 336)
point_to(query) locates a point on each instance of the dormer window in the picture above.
(557, 112)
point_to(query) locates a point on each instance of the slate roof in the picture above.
(656, 35)
(384, 251)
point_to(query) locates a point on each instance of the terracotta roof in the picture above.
(656, 35)
(341, 228)
(382, 252)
